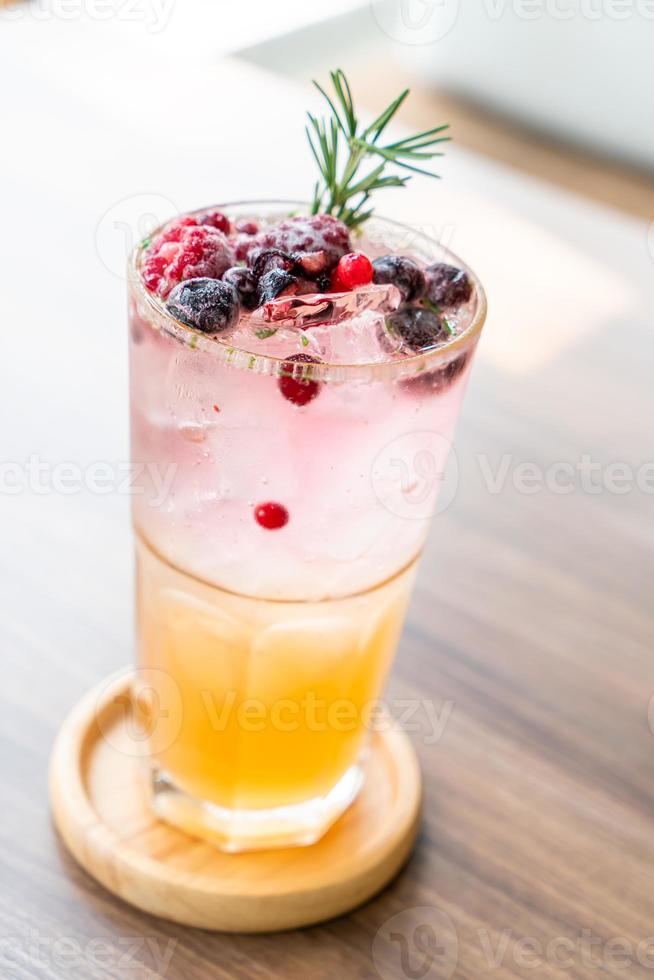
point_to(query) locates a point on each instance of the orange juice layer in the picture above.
(251, 703)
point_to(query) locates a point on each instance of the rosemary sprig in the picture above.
(342, 190)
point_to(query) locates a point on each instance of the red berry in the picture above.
(336, 284)
(185, 250)
(299, 391)
(247, 227)
(271, 515)
(216, 219)
(354, 269)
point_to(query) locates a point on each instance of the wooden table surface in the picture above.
(530, 632)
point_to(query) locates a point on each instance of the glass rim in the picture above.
(263, 363)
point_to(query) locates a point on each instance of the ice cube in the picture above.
(314, 308)
(362, 339)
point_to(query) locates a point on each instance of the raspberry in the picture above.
(299, 391)
(354, 269)
(447, 286)
(216, 219)
(271, 515)
(208, 305)
(303, 236)
(403, 272)
(185, 250)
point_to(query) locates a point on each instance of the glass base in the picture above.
(250, 830)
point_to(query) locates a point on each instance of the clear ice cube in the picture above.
(315, 308)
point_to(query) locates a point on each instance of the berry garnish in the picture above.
(354, 269)
(418, 329)
(303, 237)
(298, 390)
(275, 283)
(245, 284)
(185, 250)
(271, 258)
(403, 272)
(209, 305)
(247, 227)
(447, 286)
(271, 515)
(437, 381)
(216, 219)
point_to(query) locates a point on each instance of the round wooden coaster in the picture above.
(101, 810)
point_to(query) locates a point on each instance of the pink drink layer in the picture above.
(357, 468)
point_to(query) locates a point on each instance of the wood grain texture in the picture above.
(99, 800)
(532, 618)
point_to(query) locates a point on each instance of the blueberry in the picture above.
(403, 272)
(265, 260)
(245, 283)
(419, 329)
(209, 305)
(273, 283)
(447, 286)
(437, 381)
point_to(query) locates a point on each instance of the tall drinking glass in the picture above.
(277, 540)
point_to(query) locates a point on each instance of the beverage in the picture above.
(277, 534)
(296, 376)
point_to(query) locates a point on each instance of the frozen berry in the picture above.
(186, 251)
(216, 219)
(271, 258)
(301, 236)
(274, 284)
(208, 305)
(298, 390)
(417, 328)
(446, 285)
(354, 269)
(271, 515)
(247, 227)
(437, 381)
(244, 282)
(403, 272)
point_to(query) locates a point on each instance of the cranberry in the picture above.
(271, 515)
(247, 227)
(300, 391)
(354, 269)
(216, 219)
